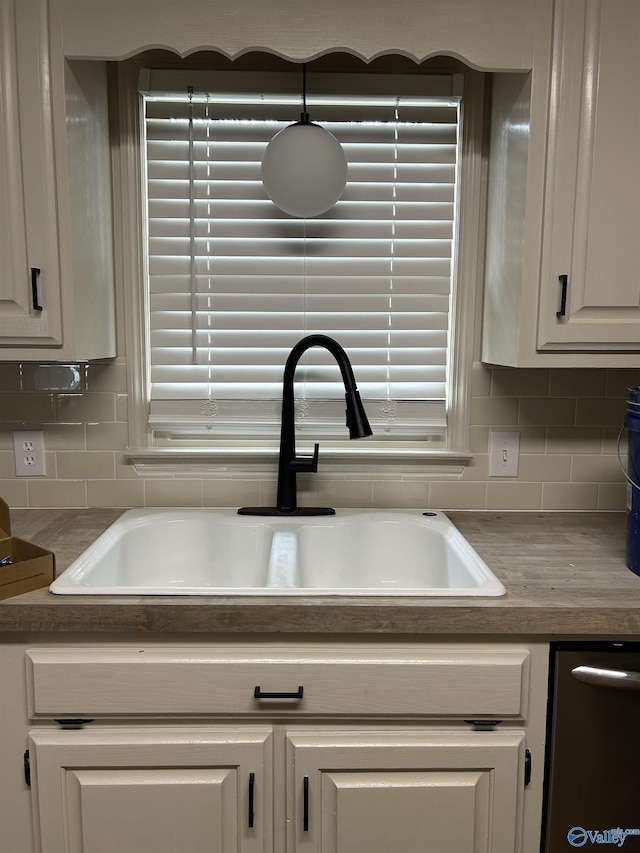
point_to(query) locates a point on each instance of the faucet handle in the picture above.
(306, 463)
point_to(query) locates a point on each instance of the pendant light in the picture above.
(304, 170)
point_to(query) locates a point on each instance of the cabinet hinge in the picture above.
(27, 767)
(73, 723)
(483, 725)
(527, 766)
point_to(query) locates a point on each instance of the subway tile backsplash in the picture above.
(569, 421)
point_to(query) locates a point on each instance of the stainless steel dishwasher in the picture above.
(592, 794)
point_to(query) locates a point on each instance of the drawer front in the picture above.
(348, 681)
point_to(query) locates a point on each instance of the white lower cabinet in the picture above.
(415, 792)
(161, 790)
(211, 790)
(305, 747)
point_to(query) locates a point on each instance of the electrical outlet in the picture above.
(28, 452)
(504, 451)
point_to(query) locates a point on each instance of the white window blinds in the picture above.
(234, 283)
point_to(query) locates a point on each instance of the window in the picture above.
(232, 283)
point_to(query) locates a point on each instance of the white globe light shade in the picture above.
(304, 170)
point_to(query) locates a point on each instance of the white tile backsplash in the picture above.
(568, 421)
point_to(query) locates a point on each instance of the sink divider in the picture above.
(283, 572)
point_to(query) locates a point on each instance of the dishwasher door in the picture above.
(593, 757)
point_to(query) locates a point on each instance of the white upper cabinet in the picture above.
(563, 250)
(592, 220)
(56, 277)
(564, 177)
(30, 310)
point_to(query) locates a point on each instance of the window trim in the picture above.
(402, 456)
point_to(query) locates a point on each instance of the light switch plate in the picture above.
(504, 452)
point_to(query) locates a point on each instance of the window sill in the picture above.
(261, 461)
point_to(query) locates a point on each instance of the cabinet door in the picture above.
(592, 220)
(157, 790)
(28, 214)
(414, 792)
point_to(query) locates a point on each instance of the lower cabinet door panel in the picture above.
(187, 790)
(437, 792)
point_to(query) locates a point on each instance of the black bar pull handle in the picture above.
(35, 272)
(305, 804)
(527, 766)
(258, 693)
(252, 791)
(563, 279)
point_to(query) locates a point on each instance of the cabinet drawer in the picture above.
(346, 680)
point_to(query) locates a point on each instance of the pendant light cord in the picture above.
(304, 115)
(192, 235)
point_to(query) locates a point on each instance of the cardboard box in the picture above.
(31, 566)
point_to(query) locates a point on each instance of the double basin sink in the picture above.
(218, 552)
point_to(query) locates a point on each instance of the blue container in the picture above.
(632, 423)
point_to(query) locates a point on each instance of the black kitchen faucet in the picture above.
(289, 463)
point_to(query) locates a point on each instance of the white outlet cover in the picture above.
(28, 452)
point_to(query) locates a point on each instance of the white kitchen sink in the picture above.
(218, 552)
